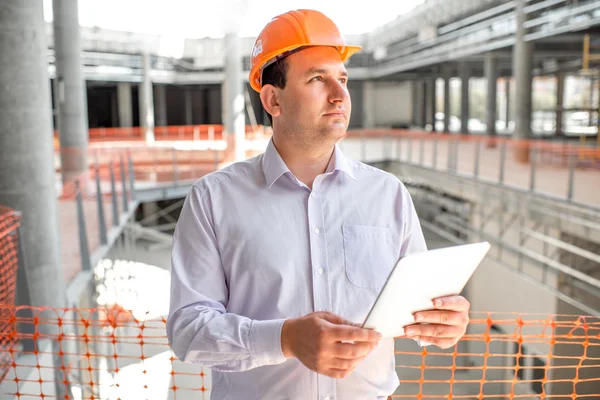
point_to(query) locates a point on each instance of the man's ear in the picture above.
(270, 100)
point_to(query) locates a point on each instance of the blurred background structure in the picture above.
(488, 111)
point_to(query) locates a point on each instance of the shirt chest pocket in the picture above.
(369, 255)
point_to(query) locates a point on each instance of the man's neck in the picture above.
(305, 163)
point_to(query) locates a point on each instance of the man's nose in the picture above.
(338, 92)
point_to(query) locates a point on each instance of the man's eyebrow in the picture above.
(323, 71)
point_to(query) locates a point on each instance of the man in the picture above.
(277, 259)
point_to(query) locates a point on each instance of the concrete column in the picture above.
(368, 104)
(146, 101)
(114, 109)
(72, 107)
(27, 181)
(188, 106)
(522, 65)
(432, 103)
(491, 74)
(447, 77)
(233, 98)
(125, 106)
(160, 93)
(464, 98)
(414, 93)
(507, 103)
(560, 95)
(423, 103)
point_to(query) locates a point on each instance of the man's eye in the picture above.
(344, 80)
(317, 78)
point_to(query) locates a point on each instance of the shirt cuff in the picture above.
(265, 342)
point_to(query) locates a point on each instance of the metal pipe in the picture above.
(113, 187)
(99, 200)
(502, 163)
(573, 161)
(533, 170)
(123, 185)
(84, 248)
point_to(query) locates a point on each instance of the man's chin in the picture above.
(337, 132)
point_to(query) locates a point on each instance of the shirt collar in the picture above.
(274, 166)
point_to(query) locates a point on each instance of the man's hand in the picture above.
(443, 326)
(316, 340)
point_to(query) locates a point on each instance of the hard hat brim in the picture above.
(345, 52)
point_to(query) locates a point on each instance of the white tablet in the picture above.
(419, 278)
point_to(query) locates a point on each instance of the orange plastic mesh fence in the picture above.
(113, 353)
(166, 133)
(9, 244)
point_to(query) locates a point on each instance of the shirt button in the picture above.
(312, 194)
(317, 231)
(320, 271)
(326, 398)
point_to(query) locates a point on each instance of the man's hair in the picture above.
(275, 75)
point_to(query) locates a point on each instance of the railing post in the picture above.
(435, 154)
(571, 187)
(502, 162)
(477, 158)
(175, 172)
(399, 149)
(23, 297)
(409, 155)
(455, 156)
(101, 220)
(124, 185)
(422, 151)
(533, 170)
(131, 176)
(449, 159)
(114, 195)
(216, 157)
(84, 248)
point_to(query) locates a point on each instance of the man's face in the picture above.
(315, 104)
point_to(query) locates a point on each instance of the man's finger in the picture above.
(434, 330)
(352, 351)
(452, 303)
(442, 343)
(334, 319)
(442, 317)
(353, 334)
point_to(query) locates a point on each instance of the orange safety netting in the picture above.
(9, 245)
(114, 353)
(166, 133)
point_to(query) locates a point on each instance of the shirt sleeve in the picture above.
(199, 328)
(413, 240)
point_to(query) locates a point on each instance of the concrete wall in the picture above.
(393, 104)
(356, 94)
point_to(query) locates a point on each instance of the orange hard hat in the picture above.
(291, 31)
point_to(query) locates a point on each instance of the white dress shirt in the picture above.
(254, 246)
